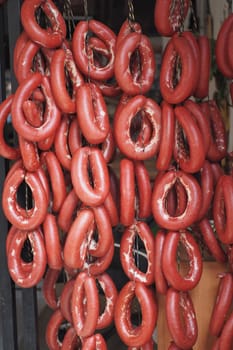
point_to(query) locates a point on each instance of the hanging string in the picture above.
(194, 18)
(68, 13)
(85, 5)
(179, 25)
(131, 16)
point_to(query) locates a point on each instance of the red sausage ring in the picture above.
(96, 194)
(27, 278)
(127, 255)
(45, 37)
(169, 265)
(52, 114)
(129, 82)
(185, 335)
(123, 120)
(159, 195)
(85, 62)
(85, 316)
(22, 218)
(129, 334)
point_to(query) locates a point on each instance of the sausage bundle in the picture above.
(62, 225)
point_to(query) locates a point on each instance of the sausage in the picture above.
(202, 88)
(193, 160)
(76, 244)
(23, 277)
(67, 210)
(110, 294)
(92, 113)
(126, 28)
(218, 144)
(70, 341)
(192, 40)
(207, 187)
(169, 266)
(65, 300)
(211, 240)
(6, 150)
(24, 219)
(96, 341)
(127, 254)
(159, 195)
(222, 304)
(225, 341)
(123, 120)
(176, 199)
(127, 192)
(183, 329)
(86, 63)
(63, 62)
(49, 288)
(61, 144)
(202, 121)
(147, 346)
(161, 284)
(169, 17)
(223, 198)
(165, 152)
(75, 140)
(52, 329)
(127, 80)
(25, 64)
(52, 242)
(85, 316)
(99, 247)
(143, 190)
(50, 38)
(82, 159)
(53, 115)
(19, 45)
(174, 94)
(222, 42)
(100, 265)
(29, 153)
(57, 179)
(129, 334)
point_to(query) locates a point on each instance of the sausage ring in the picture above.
(131, 83)
(222, 209)
(62, 63)
(129, 334)
(169, 265)
(211, 241)
(110, 293)
(85, 316)
(174, 94)
(191, 161)
(85, 62)
(222, 304)
(159, 195)
(127, 252)
(135, 149)
(52, 114)
(6, 151)
(49, 288)
(27, 278)
(184, 332)
(24, 219)
(52, 242)
(92, 113)
(50, 38)
(88, 194)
